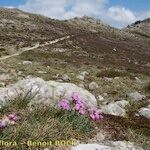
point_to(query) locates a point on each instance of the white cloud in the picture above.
(121, 14)
(66, 9)
(143, 15)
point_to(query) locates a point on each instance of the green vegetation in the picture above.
(111, 73)
(42, 123)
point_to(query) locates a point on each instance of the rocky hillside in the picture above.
(108, 46)
(140, 28)
(78, 80)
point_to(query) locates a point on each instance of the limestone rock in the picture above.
(110, 145)
(114, 109)
(135, 96)
(65, 77)
(47, 92)
(145, 112)
(80, 77)
(27, 63)
(93, 86)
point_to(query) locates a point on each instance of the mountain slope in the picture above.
(91, 42)
(140, 28)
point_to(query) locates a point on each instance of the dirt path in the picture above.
(34, 47)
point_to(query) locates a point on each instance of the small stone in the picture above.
(4, 77)
(93, 86)
(105, 94)
(107, 79)
(100, 98)
(65, 77)
(122, 103)
(145, 112)
(19, 73)
(2, 84)
(84, 73)
(81, 85)
(27, 63)
(80, 77)
(114, 109)
(136, 96)
(42, 72)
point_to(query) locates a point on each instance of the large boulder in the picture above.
(47, 92)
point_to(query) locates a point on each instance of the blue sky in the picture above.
(117, 13)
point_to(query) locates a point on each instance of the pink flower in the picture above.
(64, 104)
(95, 114)
(82, 111)
(12, 117)
(80, 107)
(92, 116)
(75, 97)
(2, 124)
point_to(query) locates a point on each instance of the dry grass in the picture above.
(43, 123)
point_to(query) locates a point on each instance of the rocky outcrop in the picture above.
(45, 92)
(116, 109)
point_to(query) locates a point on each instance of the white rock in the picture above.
(100, 98)
(80, 77)
(4, 77)
(124, 145)
(135, 96)
(105, 94)
(81, 85)
(27, 63)
(122, 103)
(93, 86)
(110, 145)
(114, 109)
(107, 79)
(91, 147)
(47, 92)
(145, 112)
(84, 73)
(65, 77)
(117, 78)
(42, 72)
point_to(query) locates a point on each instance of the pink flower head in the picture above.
(82, 111)
(64, 104)
(75, 97)
(12, 117)
(79, 105)
(95, 114)
(2, 124)
(92, 116)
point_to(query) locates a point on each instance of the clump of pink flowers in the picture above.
(79, 105)
(64, 104)
(8, 120)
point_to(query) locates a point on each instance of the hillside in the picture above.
(20, 29)
(140, 28)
